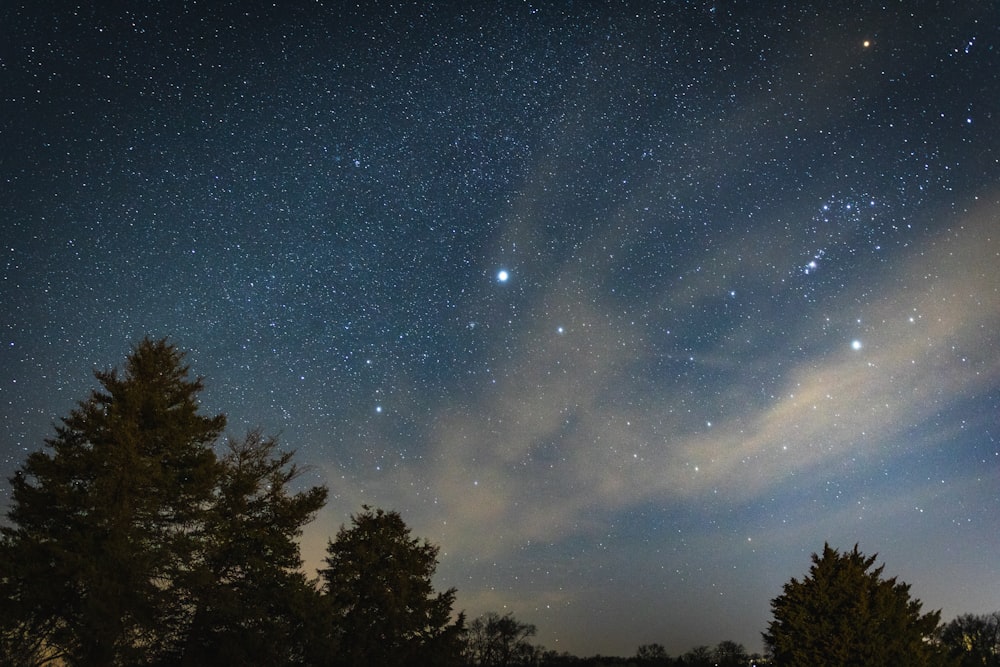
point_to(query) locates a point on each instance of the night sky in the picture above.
(628, 308)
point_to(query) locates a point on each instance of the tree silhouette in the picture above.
(699, 656)
(378, 586)
(653, 655)
(102, 520)
(131, 542)
(974, 640)
(499, 641)
(730, 654)
(251, 604)
(845, 613)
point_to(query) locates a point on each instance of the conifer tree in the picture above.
(378, 586)
(844, 613)
(251, 603)
(102, 521)
(131, 542)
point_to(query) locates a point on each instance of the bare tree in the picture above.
(974, 639)
(499, 641)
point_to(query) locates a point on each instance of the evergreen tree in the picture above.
(378, 586)
(24, 633)
(101, 522)
(251, 603)
(845, 614)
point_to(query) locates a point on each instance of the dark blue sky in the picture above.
(752, 295)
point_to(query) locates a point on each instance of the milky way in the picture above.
(628, 309)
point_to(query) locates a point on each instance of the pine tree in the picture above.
(252, 604)
(845, 614)
(384, 610)
(102, 522)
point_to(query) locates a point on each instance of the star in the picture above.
(503, 275)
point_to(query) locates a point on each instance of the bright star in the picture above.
(855, 344)
(502, 275)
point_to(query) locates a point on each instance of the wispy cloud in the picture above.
(552, 450)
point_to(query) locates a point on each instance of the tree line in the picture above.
(135, 538)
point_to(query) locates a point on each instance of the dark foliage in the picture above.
(845, 613)
(384, 610)
(251, 604)
(130, 542)
(102, 521)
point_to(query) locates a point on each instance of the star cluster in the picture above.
(627, 308)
